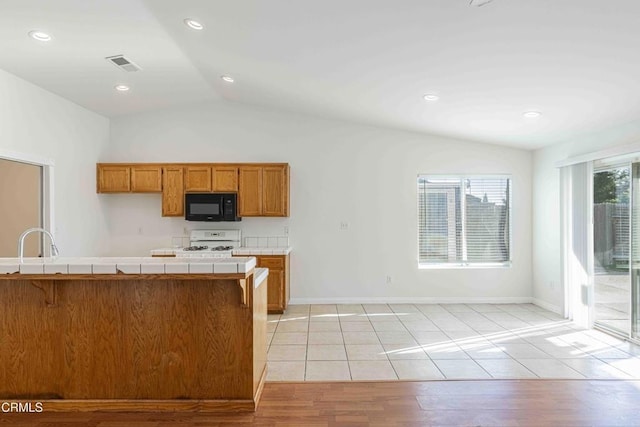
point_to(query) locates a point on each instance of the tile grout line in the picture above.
(528, 335)
(306, 355)
(469, 355)
(510, 357)
(344, 344)
(382, 345)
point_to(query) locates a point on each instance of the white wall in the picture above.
(37, 123)
(546, 205)
(339, 172)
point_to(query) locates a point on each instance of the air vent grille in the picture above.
(479, 3)
(123, 63)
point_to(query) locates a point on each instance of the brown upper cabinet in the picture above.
(206, 179)
(172, 191)
(225, 178)
(250, 203)
(114, 179)
(136, 178)
(264, 190)
(146, 179)
(197, 179)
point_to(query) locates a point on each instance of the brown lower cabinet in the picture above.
(277, 282)
(133, 342)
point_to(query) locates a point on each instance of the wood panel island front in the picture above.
(133, 334)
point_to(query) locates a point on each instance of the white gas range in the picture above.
(210, 243)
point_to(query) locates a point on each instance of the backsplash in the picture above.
(265, 241)
(135, 228)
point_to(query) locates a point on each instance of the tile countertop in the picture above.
(262, 251)
(127, 265)
(286, 250)
(260, 275)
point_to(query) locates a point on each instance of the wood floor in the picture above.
(433, 403)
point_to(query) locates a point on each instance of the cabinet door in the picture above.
(114, 179)
(225, 178)
(172, 191)
(198, 179)
(250, 191)
(275, 297)
(275, 282)
(146, 179)
(275, 191)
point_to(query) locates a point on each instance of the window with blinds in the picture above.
(464, 220)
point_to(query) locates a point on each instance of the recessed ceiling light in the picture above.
(193, 24)
(122, 88)
(41, 36)
(532, 114)
(431, 97)
(227, 79)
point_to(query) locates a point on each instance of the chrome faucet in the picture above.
(54, 248)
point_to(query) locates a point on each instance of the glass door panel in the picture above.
(635, 252)
(611, 237)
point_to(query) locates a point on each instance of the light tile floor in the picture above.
(439, 341)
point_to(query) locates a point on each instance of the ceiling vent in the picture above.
(479, 3)
(123, 63)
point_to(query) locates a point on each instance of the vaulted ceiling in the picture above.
(365, 61)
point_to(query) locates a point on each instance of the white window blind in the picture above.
(464, 220)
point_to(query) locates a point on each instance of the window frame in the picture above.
(465, 264)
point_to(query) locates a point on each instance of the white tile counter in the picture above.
(260, 275)
(128, 265)
(165, 252)
(262, 251)
(284, 250)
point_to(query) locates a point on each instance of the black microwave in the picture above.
(211, 207)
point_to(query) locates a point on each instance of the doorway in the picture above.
(21, 198)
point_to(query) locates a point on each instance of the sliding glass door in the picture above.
(635, 252)
(616, 249)
(611, 243)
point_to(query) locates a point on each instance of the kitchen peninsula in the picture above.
(133, 334)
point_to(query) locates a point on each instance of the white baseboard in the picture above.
(551, 307)
(414, 300)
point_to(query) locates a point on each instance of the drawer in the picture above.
(276, 263)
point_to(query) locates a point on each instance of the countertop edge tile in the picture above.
(31, 268)
(56, 268)
(9, 268)
(226, 267)
(261, 274)
(129, 268)
(128, 265)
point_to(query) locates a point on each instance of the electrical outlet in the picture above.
(388, 280)
(185, 231)
(286, 230)
(344, 225)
